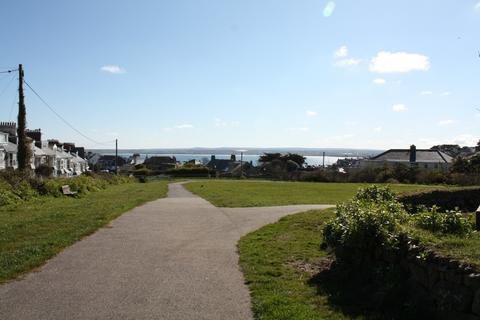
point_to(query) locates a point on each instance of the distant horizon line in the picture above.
(240, 149)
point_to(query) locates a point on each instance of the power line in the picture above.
(63, 119)
(9, 71)
(12, 106)
(7, 86)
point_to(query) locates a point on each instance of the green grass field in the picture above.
(251, 193)
(466, 250)
(270, 258)
(37, 230)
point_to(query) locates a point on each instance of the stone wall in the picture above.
(438, 285)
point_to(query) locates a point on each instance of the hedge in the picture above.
(189, 172)
(466, 199)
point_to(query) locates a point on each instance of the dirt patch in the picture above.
(312, 268)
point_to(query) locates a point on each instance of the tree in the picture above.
(269, 157)
(299, 159)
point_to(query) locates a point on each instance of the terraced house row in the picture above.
(55, 157)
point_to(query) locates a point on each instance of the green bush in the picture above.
(371, 219)
(7, 197)
(83, 184)
(189, 172)
(16, 186)
(449, 222)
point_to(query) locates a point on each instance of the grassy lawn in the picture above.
(251, 193)
(463, 249)
(271, 258)
(35, 231)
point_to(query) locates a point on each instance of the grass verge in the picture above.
(465, 250)
(278, 262)
(251, 193)
(37, 230)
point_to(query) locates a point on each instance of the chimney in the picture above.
(212, 158)
(11, 129)
(413, 154)
(69, 147)
(36, 136)
(233, 157)
(52, 142)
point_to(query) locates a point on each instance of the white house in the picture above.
(420, 158)
(8, 152)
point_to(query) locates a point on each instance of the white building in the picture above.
(8, 152)
(420, 158)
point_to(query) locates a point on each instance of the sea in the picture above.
(204, 158)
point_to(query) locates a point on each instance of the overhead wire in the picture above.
(9, 83)
(63, 119)
(12, 106)
(9, 71)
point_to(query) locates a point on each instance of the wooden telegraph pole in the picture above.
(23, 155)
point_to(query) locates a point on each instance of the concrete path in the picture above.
(173, 258)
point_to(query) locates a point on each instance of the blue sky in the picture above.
(276, 73)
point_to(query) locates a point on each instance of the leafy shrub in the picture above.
(44, 171)
(25, 191)
(7, 197)
(189, 172)
(83, 184)
(375, 194)
(142, 171)
(449, 222)
(371, 219)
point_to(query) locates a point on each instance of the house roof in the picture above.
(38, 152)
(49, 152)
(220, 164)
(160, 160)
(120, 160)
(9, 147)
(422, 155)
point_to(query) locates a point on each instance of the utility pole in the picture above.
(323, 159)
(241, 164)
(116, 156)
(23, 155)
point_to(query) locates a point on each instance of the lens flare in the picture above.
(329, 8)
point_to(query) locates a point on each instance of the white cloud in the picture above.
(445, 122)
(329, 9)
(312, 113)
(341, 52)
(378, 129)
(113, 69)
(184, 126)
(398, 62)
(446, 93)
(379, 81)
(477, 6)
(399, 108)
(348, 62)
(426, 93)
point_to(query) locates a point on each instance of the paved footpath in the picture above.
(173, 258)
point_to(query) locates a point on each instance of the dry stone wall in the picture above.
(439, 285)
